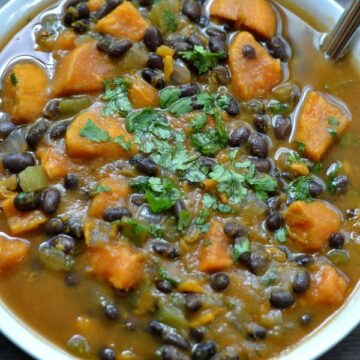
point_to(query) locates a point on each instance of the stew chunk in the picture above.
(25, 92)
(226, 9)
(118, 264)
(12, 251)
(83, 70)
(254, 71)
(214, 251)
(319, 124)
(125, 22)
(142, 94)
(311, 224)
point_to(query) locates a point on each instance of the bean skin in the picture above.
(281, 299)
(301, 281)
(256, 332)
(155, 62)
(58, 130)
(217, 44)
(336, 240)
(119, 48)
(282, 127)
(192, 9)
(107, 354)
(6, 127)
(259, 147)
(153, 38)
(50, 200)
(36, 132)
(192, 302)
(233, 108)
(111, 312)
(234, 229)
(190, 89)
(204, 351)
(220, 281)
(176, 340)
(274, 221)
(145, 165)
(26, 201)
(18, 161)
(261, 123)
(116, 213)
(249, 52)
(71, 182)
(239, 137)
(54, 226)
(278, 48)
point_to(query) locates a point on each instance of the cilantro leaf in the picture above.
(181, 107)
(263, 185)
(270, 277)
(92, 132)
(299, 189)
(13, 79)
(200, 221)
(120, 140)
(164, 275)
(276, 107)
(300, 146)
(198, 122)
(184, 220)
(210, 142)
(333, 121)
(116, 96)
(280, 235)
(100, 189)
(168, 96)
(202, 59)
(241, 247)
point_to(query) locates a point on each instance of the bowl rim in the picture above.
(340, 324)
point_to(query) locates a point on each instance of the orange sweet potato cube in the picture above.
(226, 9)
(12, 251)
(142, 94)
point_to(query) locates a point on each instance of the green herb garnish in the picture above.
(92, 132)
(241, 247)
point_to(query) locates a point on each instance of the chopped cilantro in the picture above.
(210, 141)
(200, 221)
(334, 123)
(171, 21)
(184, 220)
(332, 132)
(209, 201)
(280, 235)
(202, 59)
(241, 247)
(276, 107)
(223, 101)
(92, 132)
(13, 79)
(294, 157)
(299, 189)
(181, 107)
(300, 146)
(198, 122)
(270, 277)
(100, 189)
(116, 96)
(317, 167)
(262, 185)
(164, 275)
(196, 173)
(120, 140)
(134, 229)
(168, 96)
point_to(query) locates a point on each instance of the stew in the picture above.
(179, 179)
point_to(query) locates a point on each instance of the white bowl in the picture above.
(321, 340)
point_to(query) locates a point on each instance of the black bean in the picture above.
(169, 352)
(177, 340)
(145, 2)
(208, 162)
(192, 9)
(256, 331)
(18, 161)
(256, 106)
(239, 137)
(70, 16)
(339, 184)
(109, 6)
(153, 78)
(83, 11)
(212, 32)
(107, 354)
(259, 147)
(156, 327)
(137, 199)
(305, 319)
(273, 203)
(220, 281)
(51, 110)
(281, 298)
(119, 48)
(336, 240)
(301, 281)
(174, 39)
(234, 229)
(116, 213)
(72, 279)
(190, 89)
(274, 221)
(217, 44)
(282, 127)
(36, 133)
(164, 286)
(73, 3)
(182, 46)
(104, 44)
(111, 312)
(278, 48)
(203, 21)
(74, 228)
(249, 52)
(258, 263)
(81, 26)
(303, 259)
(50, 200)
(222, 74)
(71, 182)
(54, 226)
(203, 351)
(261, 123)
(173, 253)
(145, 165)
(315, 189)
(26, 201)
(197, 334)
(194, 40)
(261, 165)
(160, 246)
(192, 302)
(59, 130)
(64, 243)
(153, 38)
(233, 107)
(6, 127)
(155, 62)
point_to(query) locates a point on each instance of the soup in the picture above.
(178, 179)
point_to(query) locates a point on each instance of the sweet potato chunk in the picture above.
(252, 77)
(328, 286)
(25, 92)
(65, 41)
(226, 9)
(95, 5)
(118, 264)
(311, 224)
(214, 251)
(12, 251)
(258, 17)
(125, 22)
(82, 147)
(99, 232)
(83, 70)
(318, 124)
(142, 94)
(55, 164)
(21, 221)
(119, 191)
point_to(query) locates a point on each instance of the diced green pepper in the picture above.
(33, 178)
